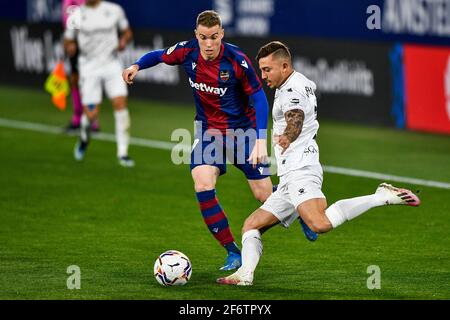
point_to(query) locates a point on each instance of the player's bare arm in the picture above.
(294, 119)
(70, 46)
(125, 38)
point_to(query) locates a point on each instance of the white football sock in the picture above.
(251, 251)
(348, 209)
(85, 127)
(122, 118)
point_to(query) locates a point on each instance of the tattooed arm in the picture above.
(294, 119)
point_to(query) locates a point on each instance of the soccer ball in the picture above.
(172, 268)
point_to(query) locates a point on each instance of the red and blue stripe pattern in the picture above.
(215, 217)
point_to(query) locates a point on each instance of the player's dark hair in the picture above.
(277, 48)
(209, 18)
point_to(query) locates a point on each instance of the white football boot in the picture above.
(239, 278)
(394, 195)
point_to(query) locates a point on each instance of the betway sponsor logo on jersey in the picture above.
(205, 88)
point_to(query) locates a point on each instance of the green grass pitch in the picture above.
(113, 222)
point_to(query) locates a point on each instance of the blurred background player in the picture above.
(99, 66)
(74, 124)
(215, 65)
(299, 193)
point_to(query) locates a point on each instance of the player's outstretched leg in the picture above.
(321, 220)
(385, 194)
(217, 223)
(82, 144)
(394, 195)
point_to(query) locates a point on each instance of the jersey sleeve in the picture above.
(176, 54)
(247, 75)
(294, 100)
(70, 33)
(122, 21)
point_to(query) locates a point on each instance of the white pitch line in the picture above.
(383, 176)
(38, 127)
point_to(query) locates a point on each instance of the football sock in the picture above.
(251, 250)
(122, 118)
(216, 220)
(232, 247)
(348, 209)
(85, 128)
(77, 106)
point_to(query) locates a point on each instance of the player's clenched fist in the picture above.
(129, 73)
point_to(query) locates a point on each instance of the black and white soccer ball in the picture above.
(172, 268)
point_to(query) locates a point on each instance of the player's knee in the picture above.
(319, 226)
(261, 195)
(119, 103)
(203, 186)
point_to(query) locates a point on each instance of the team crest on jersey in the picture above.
(224, 75)
(170, 50)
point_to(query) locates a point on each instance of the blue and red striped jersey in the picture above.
(221, 87)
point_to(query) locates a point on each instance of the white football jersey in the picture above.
(96, 31)
(296, 93)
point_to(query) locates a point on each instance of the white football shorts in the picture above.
(107, 76)
(295, 188)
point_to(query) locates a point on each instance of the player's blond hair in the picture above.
(209, 18)
(277, 48)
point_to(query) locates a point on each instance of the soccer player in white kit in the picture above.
(96, 25)
(299, 192)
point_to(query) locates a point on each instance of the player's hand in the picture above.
(259, 153)
(129, 73)
(283, 142)
(71, 48)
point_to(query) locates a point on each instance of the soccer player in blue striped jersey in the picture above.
(228, 96)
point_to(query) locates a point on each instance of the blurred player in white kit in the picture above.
(96, 26)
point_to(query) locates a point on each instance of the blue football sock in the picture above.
(232, 247)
